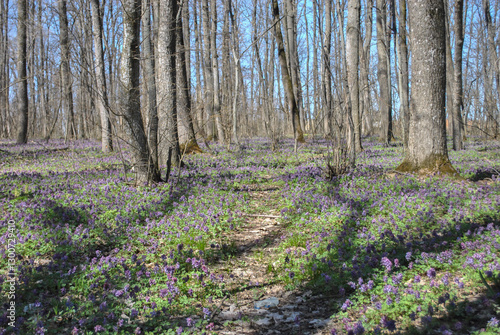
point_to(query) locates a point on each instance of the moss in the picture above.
(433, 164)
(300, 136)
(190, 147)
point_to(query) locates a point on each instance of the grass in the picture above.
(393, 252)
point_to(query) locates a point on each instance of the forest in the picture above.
(249, 167)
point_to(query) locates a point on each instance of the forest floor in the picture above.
(248, 242)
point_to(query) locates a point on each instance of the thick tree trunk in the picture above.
(101, 89)
(427, 151)
(22, 85)
(134, 127)
(168, 138)
(352, 56)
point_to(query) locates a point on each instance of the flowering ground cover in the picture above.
(373, 251)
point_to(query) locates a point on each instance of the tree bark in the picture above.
(150, 79)
(207, 70)
(130, 71)
(22, 84)
(352, 55)
(427, 151)
(383, 72)
(403, 85)
(168, 143)
(101, 89)
(365, 68)
(215, 72)
(187, 138)
(67, 81)
(326, 71)
(458, 86)
(287, 80)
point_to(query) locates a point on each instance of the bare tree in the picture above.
(457, 126)
(187, 138)
(287, 80)
(352, 56)
(101, 89)
(66, 78)
(168, 138)
(150, 80)
(403, 81)
(384, 75)
(215, 73)
(134, 127)
(22, 85)
(365, 69)
(427, 151)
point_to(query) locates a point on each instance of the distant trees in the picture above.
(218, 80)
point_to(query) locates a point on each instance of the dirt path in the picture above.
(253, 278)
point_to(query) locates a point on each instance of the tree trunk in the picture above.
(134, 127)
(67, 82)
(215, 73)
(168, 143)
(326, 71)
(352, 56)
(150, 79)
(458, 86)
(402, 51)
(293, 57)
(427, 152)
(383, 72)
(22, 86)
(101, 89)
(187, 138)
(365, 68)
(207, 70)
(287, 80)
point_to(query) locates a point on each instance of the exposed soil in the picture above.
(252, 279)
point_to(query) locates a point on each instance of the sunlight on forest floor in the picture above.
(371, 251)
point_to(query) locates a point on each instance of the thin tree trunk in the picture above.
(187, 138)
(215, 73)
(326, 72)
(285, 75)
(149, 69)
(458, 88)
(352, 55)
(101, 89)
(402, 51)
(207, 70)
(22, 85)
(67, 81)
(383, 71)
